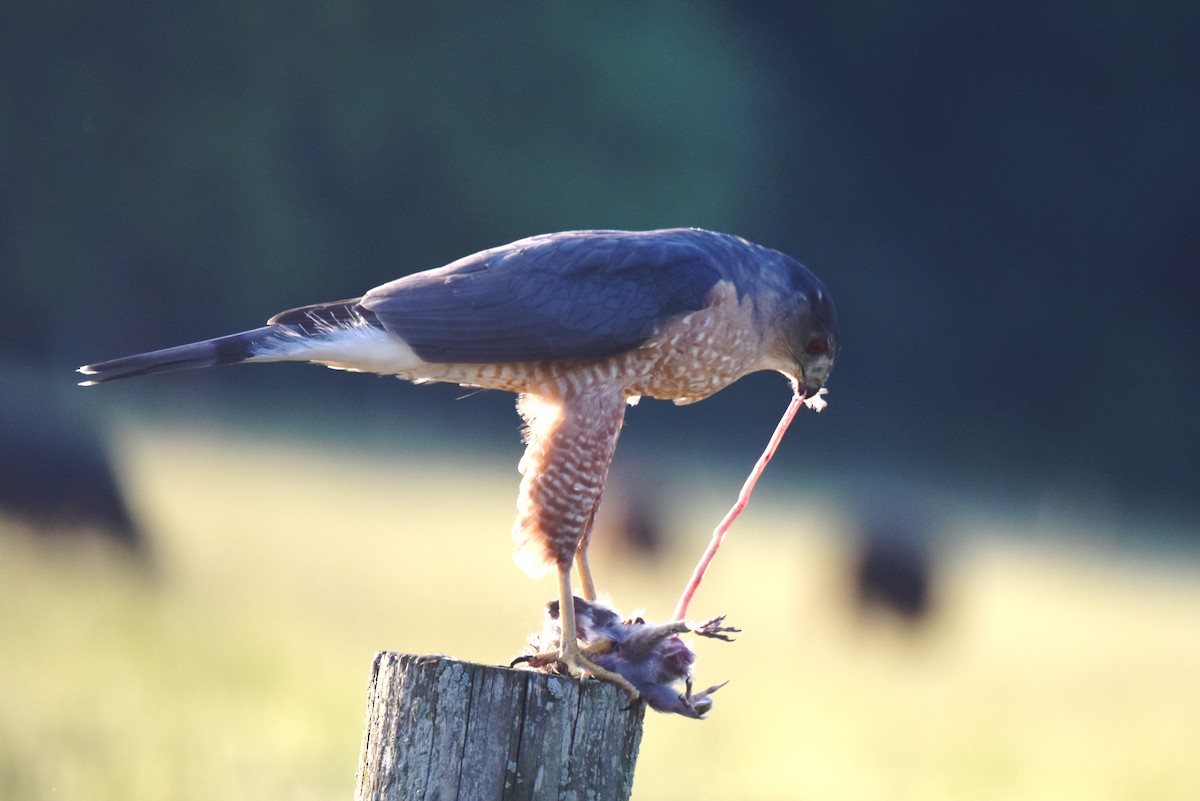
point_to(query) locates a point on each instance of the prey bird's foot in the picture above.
(698, 704)
(713, 629)
(690, 704)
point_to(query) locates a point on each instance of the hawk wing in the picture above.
(568, 296)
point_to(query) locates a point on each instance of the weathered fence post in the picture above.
(437, 728)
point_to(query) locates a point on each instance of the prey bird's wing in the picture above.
(569, 296)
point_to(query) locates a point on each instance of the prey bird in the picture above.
(579, 324)
(650, 655)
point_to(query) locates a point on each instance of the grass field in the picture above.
(237, 669)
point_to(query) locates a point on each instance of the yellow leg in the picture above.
(568, 652)
(587, 587)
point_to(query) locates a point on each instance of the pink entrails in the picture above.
(816, 403)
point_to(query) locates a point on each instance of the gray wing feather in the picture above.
(570, 296)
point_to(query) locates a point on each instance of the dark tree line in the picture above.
(1003, 198)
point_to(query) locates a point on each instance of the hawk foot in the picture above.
(540, 659)
(577, 661)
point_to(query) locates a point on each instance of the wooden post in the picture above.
(440, 729)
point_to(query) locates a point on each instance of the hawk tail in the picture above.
(209, 353)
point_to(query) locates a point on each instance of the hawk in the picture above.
(579, 324)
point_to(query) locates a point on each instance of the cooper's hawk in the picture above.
(579, 324)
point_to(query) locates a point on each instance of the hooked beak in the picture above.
(803, 387)
(808, 386)
(810, 394)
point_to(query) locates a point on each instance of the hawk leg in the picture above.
(571, 436)
(583, 571)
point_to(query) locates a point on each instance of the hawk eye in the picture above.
(816, 347)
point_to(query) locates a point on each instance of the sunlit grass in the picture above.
(237, 668)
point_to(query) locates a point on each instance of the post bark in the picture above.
(438, 730)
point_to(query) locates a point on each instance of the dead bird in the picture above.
(650, 656)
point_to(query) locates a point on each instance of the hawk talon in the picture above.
(538, 660)
(584, 667)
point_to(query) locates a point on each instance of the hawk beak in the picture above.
(804, 388)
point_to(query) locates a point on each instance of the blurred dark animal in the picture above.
(892, 570)
(55, 473)
(638, 528)
(632, 517)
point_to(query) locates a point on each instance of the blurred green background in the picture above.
(1003, 199)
